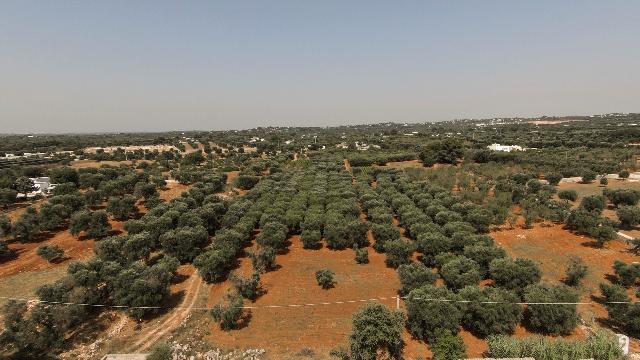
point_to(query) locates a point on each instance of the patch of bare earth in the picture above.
(183, 296)
(552, 247)
(288, 330)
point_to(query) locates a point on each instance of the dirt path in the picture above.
(347, 166)
(165, 326)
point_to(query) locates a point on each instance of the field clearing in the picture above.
(97, 164)
(173, 190)
(30, 271)
(552, 247)
(23, 285)
(595, 188)
(320, 327)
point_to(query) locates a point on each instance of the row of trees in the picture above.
(448, 232)
(133, 270)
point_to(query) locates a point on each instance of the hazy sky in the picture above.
(71, 66)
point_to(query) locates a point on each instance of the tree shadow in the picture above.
(12, 254)
(244, 320)
(612, 278)
(592, 244)
(169, 303)
(60, 260)
(179, 278)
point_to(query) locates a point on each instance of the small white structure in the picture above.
(505, 148)
(42, 186)
(623, 341)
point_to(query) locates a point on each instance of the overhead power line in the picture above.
(301, 305)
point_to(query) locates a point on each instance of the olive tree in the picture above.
(552, 318)
(121, 208)
(274, 234)
(264, 259)
(490, 310)
(460, 272)
(514, 274)
(629, 216)
(51, 253)
(415, 275)
(184, 243)
(425, 316)
(398, 252)
(325, 278)
(229, 311)
(311, 239)
(376, 330)
(576, 271)
(95, 224)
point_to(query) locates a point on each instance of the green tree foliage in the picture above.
(426, 317)
(629, 216)
(553, 178)
(460, 272)
(501, 316)
(63, 175)
(247, 287)
(432, 244)
(570, 195)
(361, 255)
(246, 182)
(229, 311)
(514, 274)
(447, 151)
(576, 271)
(274, 234)
(593, 203)
(51, 253)
(214, 264)
(480, 219)
(620, 197)
(185, 243)
(5, 251)
(627, 274)
(624, 174)
(552, 318)
(5, 226)
(122, 208)
(7, 196)
(483, 255)
(382, 233)
(398, 252)
(622, 310)
(604, 181)
(447, 346)
(311, 239)
(144, 286)
(52, 217)
(264, 259)
(376, 330)
(588, 176)
(65, 189)
(38, 331)
(415, 275)
(325, 278)
(27, 225)
(24, 185)
(95, 224)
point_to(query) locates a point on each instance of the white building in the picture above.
(505, 148)
(42, 186)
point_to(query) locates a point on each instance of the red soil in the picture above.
(552, 247)
(288, 330)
